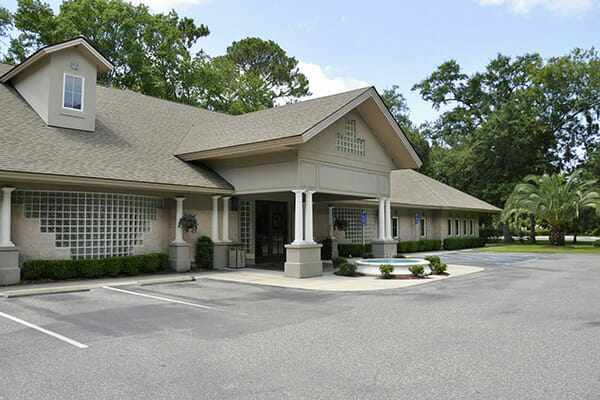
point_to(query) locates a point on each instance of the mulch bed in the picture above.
(402, 277)
(354, 275)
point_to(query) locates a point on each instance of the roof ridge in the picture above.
(165, 100)
(362, 90)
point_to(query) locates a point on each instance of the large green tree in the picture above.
(396, 103)
(5, 22)
(254, 74)
(519, 116)
(151, 52)
(557, 199)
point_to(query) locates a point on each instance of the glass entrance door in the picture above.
(271, 231)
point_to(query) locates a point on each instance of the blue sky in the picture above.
(347, 44)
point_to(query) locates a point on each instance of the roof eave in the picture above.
(102, 63)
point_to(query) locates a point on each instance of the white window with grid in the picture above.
(348, 142)
(92, 225)
(246, 225)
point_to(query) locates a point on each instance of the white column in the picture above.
(215, 218)
(225, 231)
(381, 215)
(5, 214)
(298, 239)
(178, 215)
(388, 219)
(308, 218)
(331, 222)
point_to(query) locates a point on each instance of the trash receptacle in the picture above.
(232, 257)
(241, 256)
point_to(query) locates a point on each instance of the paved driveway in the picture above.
(517, 330)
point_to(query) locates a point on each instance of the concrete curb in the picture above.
(166, 280)
(50, 290)
(88, 287)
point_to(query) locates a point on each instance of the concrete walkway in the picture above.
(330, 282)
(327, 282)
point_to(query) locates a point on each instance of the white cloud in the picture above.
(322, 84)
(557, 7)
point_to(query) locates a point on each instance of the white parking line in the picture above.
(46, 331)
(166, 299)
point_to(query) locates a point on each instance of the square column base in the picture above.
(10, 272)
(179, 257)
(221, 254)
(385, 248)
(303, 260)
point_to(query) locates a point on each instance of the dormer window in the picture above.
(73, 92)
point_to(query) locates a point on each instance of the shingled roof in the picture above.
(259, 126)
(136, 138)
(410, 188)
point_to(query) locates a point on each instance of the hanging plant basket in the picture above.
(188, 223)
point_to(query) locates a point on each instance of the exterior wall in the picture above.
(42, 87)
(57, 115)
(34, 244)
(201, 206)
(34, 85)
(325, 169)
(254, 174)
(437, 221)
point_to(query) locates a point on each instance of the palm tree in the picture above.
(556, 199)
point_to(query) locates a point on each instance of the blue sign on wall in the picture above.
(416, 219)
(364, 219)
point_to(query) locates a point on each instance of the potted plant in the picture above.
(188, 223)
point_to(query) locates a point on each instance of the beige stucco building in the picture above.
(88, 171)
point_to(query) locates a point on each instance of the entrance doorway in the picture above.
(271, 231)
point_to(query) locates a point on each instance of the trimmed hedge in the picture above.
(419, 245)
(356, 250)
(94, 267)
(463, 243)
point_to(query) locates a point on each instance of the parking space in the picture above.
(209, 308)
(523, 328)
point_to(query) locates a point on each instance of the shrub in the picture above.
(439, 268)
(433, 259)
(386, 270)
(205, 252)
(463, 243)
(353, 250)
(94, 267)
(416, 270)
(368, 255)
(326, 249)
(399, 256)
(348, 269)
(411, 247)
(597, 243)
(338, 261)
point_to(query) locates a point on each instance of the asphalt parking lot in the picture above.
(523, 328)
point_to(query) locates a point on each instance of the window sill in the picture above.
(72, 113)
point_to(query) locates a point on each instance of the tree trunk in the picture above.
(557, 237)
(506, 231)
(575, 237)
(532, 231)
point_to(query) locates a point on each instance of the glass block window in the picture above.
(348, 142)
(354, 231)
(246, 224)
(92, 225)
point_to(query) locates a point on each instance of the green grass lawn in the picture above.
(539, 248)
